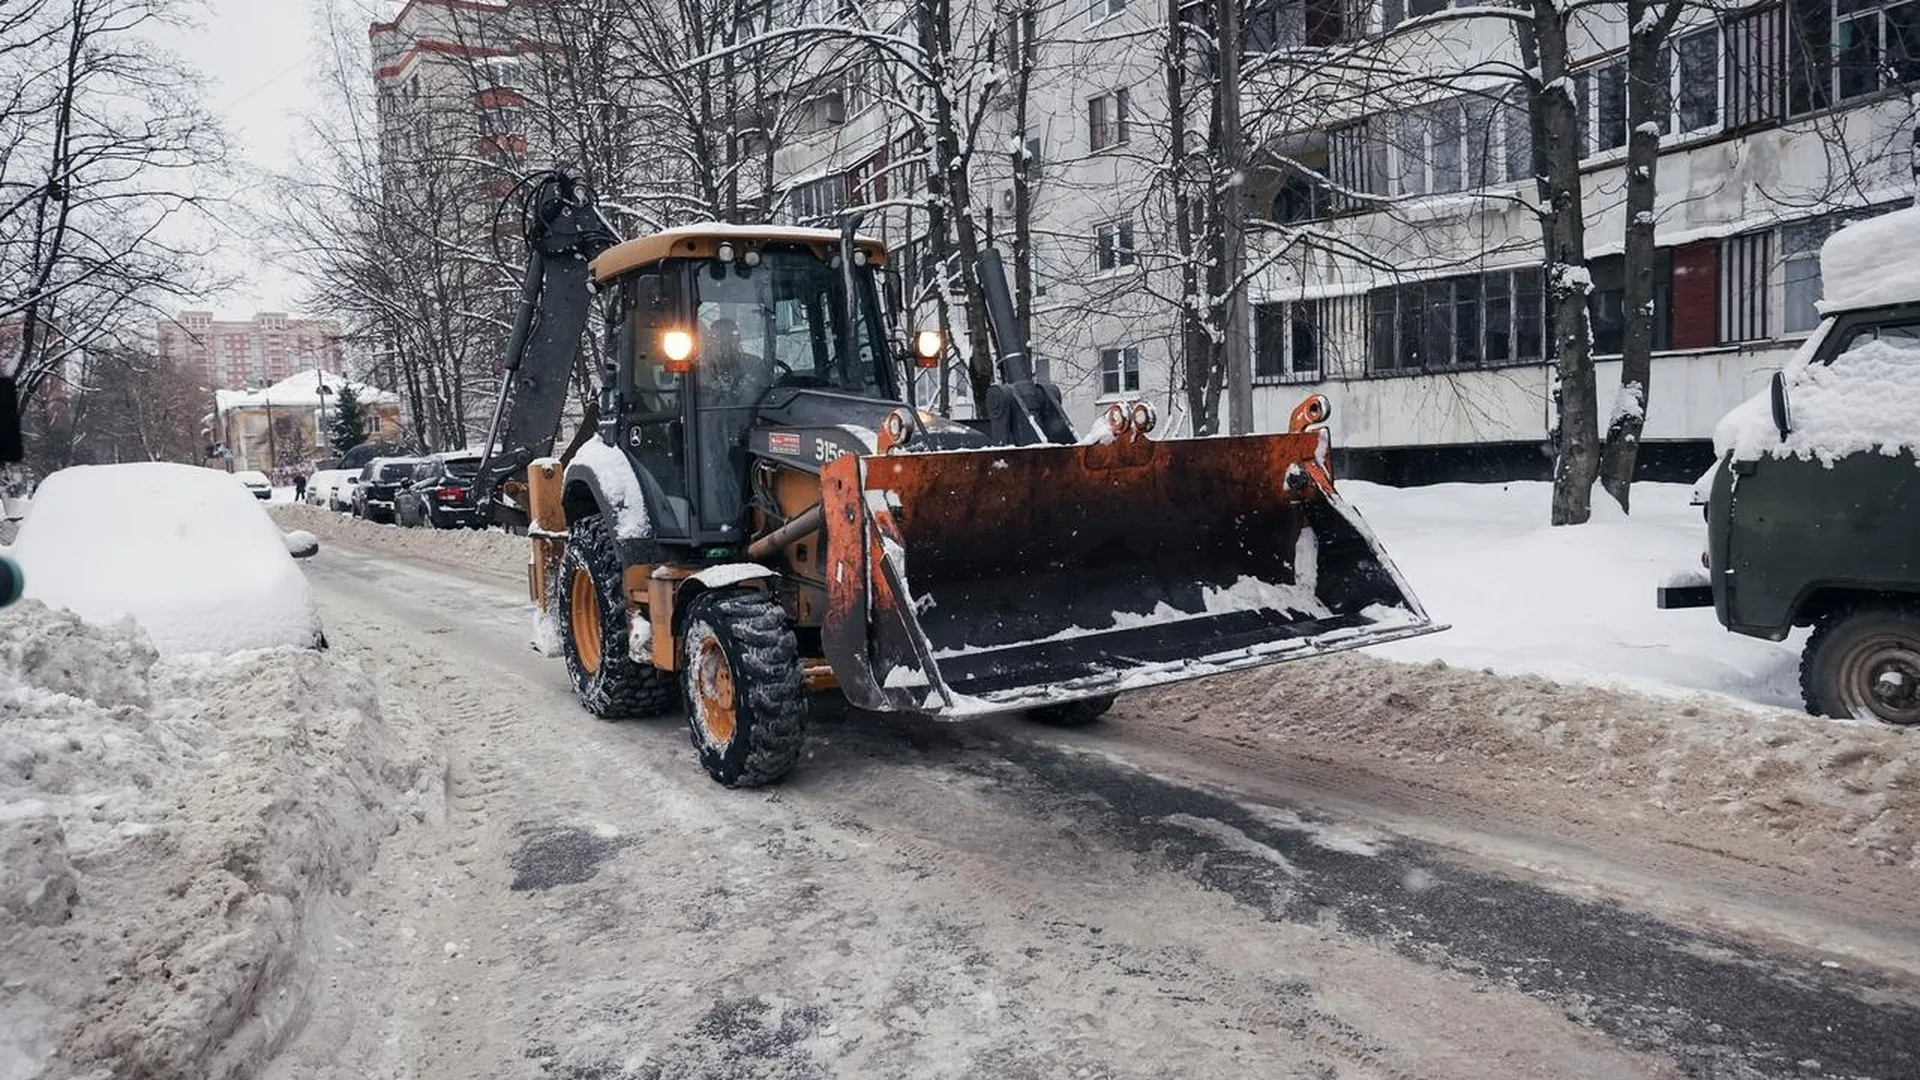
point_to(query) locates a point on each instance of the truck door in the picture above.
(650, 421)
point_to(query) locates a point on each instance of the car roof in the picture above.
(458, 455)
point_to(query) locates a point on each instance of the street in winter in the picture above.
(645, 539)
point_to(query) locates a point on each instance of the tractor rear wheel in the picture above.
(584, 593)
(1864, 662)
(1072, 714)
(746, 709)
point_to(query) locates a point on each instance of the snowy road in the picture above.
(996, 900)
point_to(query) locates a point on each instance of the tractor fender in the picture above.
(587, 489)
(714, 577)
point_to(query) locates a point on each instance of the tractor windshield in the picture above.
(783, 323)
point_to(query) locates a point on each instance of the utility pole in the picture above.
(1233, 218)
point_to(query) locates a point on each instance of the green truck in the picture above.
(1813, 507)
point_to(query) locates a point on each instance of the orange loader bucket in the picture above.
(978, 581)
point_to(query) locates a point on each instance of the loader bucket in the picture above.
(984, 580)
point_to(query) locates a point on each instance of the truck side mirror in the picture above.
(1782, 411)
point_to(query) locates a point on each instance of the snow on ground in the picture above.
(488, 550)
(185, 551)
(1572, 603)
(167, 828)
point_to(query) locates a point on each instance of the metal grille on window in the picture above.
(1743, 286)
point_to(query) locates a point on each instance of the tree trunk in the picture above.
(1023, 183)
(1229, 196)
(1198, 360)
(1556, 149)
(1645, 80)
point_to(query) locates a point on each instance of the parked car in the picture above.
(1812, 507)
(256, 482)
(206, 570)
(321, 486)
(441, 494)
(379, 480)
(357, 458)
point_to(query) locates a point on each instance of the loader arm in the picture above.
(564, 232)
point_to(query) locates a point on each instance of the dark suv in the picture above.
(441, 493)
(380, 480)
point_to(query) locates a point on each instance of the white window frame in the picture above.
(1125, 367)
(1102, 10)
(1674, 82)
(1289, 362)
(1115, 107)
(1589, 84)
(1117, 232)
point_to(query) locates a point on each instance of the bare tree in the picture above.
(98, 132)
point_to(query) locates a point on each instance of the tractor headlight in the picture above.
(677, 347)
(927, 346)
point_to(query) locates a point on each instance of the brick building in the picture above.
(238, 353)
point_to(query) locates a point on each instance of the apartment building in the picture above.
(232, 354)
(1417, 306)
(1395, 264)
(449, 78)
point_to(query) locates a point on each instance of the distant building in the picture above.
(235, 354)
(288, 424)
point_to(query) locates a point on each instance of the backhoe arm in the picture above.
(564, 232)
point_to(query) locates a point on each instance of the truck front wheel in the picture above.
(741, 677)
(1864, 663)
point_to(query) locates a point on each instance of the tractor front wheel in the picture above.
(584, 594)
(740, 675)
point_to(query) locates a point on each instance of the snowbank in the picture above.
(166, 830)
(1872, 262)
(1867, 400)
(1570, 603)
(186, 552)
(489, 551)
(1702, 771)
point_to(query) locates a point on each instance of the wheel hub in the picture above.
(1884, 680)
(583, 609)
(713, 683)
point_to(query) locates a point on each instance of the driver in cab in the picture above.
(731, 374)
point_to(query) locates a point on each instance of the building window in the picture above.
(1113, 245)
(822, 198)
(1874, 45)
(1744, 261)
(867, 180)
(1800, 245)
(1755, 48)
(1693, 82)
(1120, 370)
(1103, 9)
(1494, 318)
(1461, 144)
(1606, 304)
(1301, 197)
(1601, 96)
(1276, 25)
(1107, 120)
(1358, 162)
(1286, 341)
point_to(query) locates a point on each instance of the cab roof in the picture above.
(699, 242)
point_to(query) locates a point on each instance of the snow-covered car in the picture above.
(255, 482)
(322, 487)
(183, 550)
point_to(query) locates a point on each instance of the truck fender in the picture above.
(583, 493)
(719, 576)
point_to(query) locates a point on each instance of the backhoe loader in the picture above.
(757, 508)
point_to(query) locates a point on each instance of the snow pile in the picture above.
(186, 552)
(166, 830)
(1872, 262)
(619, 486)
(1571, 603)
(1867, 400)
(1704, 768)
(487, 550)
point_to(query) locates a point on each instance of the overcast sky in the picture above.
(258, 57)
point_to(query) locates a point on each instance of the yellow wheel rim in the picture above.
(584, 608)
(713, 683)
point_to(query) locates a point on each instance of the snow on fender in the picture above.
(725, 574)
